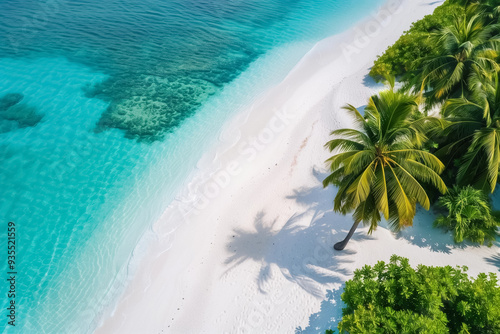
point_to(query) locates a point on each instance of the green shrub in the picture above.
(395, 298)
(469, 215)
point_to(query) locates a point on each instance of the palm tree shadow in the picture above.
(302, 249)
(328, 316)
(494, 260)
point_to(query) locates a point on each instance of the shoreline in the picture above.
(255, 253)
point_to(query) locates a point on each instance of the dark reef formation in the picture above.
(9, 100)
(15, 114)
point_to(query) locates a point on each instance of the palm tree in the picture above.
(473, 131)
(469, 215)
(466, 47)
(489, 8)
(381, 168)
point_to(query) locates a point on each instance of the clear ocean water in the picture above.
(105, 108)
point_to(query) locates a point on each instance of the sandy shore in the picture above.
(247, 248)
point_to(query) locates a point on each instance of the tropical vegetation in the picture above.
(436, 140)
(473, 134)
(398, 156)
(396, 298)
(468, 215)
(466, 47)
(400, 58)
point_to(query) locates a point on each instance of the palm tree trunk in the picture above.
(341, 245)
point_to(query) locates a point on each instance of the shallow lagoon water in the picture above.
(121, 100)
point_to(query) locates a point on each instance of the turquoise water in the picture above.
(105, 109)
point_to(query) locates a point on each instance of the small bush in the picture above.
(469, 216)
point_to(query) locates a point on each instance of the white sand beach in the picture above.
(247, 248)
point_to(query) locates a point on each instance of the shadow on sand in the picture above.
(494, 260)
(433, 3)
(369, 82)
(329, 315)
(303, 248)
(424, 235)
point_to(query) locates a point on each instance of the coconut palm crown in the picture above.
(474, 129)
(468, 46)
(380, 168)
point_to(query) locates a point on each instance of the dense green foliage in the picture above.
(468, 215)
(414, 44)
(406, 56)
(395, 298)
(380, 168)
